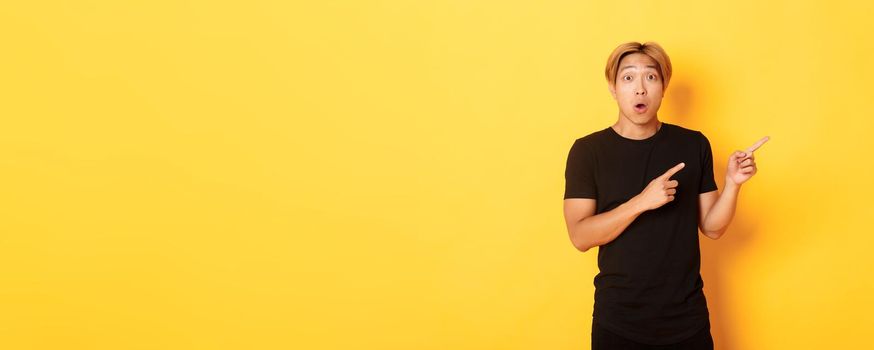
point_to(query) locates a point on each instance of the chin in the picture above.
(640, 119)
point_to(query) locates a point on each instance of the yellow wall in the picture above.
(389, 174)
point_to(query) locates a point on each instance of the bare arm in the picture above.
(717, 210)
(587, 230)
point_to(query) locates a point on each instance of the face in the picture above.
(638, 88)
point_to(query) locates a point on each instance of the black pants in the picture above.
(602, 339)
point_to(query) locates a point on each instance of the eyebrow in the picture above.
(649, 66)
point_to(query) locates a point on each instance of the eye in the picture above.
(652, 77)
(627, 76)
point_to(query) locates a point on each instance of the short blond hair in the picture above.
(651, 49)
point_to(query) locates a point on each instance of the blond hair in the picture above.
(651, 49)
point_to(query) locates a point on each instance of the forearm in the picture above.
(603, 228)
(720, 215)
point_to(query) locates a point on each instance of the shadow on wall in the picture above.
(717, 256)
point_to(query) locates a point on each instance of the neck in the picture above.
(634, 131)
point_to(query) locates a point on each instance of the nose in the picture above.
(640, 90)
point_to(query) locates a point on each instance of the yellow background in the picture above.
(389, 174)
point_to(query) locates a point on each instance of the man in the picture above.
(640, 190)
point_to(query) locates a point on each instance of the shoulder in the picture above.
(585, 147)
(591, 138)
(688, 135)
(685, 132)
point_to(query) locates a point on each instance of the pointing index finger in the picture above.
(758, 144)
(673, 170)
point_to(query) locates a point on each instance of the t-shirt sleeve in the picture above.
(579, 172)
(707, 182)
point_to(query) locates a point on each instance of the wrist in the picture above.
(635, 204)
(731, 186)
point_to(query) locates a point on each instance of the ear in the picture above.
(612, 89)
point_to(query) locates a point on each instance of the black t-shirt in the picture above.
(649, 288)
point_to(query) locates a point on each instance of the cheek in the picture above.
(656, 91)
(625, 93)
(657, 86)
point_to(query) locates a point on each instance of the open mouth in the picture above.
(640, 107)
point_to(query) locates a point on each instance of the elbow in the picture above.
(578, 245)
(581, 238)
(714, 235)
(582, 246)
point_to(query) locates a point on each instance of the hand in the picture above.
(742, 165)
(660, 190)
